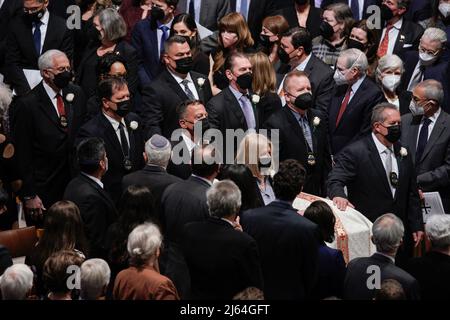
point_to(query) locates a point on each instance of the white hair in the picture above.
(355, 59)
(435, 34)
(157, 157)
(389, 62)
(387, 232)
(16, 282)
(5, 99)
(47, 59)
(143, 243)
(223, 199)
(433, 90)
(438, 230)
(95, 276)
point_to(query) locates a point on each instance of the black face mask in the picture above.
(157, 14)
(123, 108)
(35, 16)
(283, 55)
(386, 13)
(93, 34)
(245, 80)
(352, 43)
(303, 101)
(326, 30)
(301, 2)
(394, 133)
(264, 40)
(184, 65)
(62, 79)
(204, 123)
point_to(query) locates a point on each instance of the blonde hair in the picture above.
(264, 78)
(246, 152)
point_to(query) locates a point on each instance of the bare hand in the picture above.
(237, 225)
(342, 203)
(418, 236)
(35, 208)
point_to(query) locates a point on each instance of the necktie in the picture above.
(188, 91)
(244, 10)
(423, 138)
(417, 77)
(355, 9)
(37, 37)
(306, 131)
(191, 10)
(60, 106)
(344, 105)
(382, 49)
(164, 37)
(248, 112)
(124, 141)
(388, 165)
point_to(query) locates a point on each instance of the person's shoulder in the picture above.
(317, 41)
(411, 26)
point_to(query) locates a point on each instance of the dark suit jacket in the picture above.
(355, 284)
(8, 11)
(100, 127)
(182, 170)
(161, 98)
(433, 169)
(293, 145)
(359, 167)
(312, 22)
(211, 11)
(355, 121)
(5, 259)
(153, 177)
(44, 147)
(432, 271)
(60, 7)
(222, 261)
(332, 270)
(97, 211)
(21, 53)
(288, 246)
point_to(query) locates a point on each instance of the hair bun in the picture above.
(137, 251)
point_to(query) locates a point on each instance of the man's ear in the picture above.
(105, 104)
(229, 74)
(165, 58)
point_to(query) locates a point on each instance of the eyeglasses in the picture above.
(431, 53)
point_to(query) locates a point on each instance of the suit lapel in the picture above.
(201, 94)
(412, 137)
(435, 134)
(49, 34)
(336, 105)
(68, 106)
(101, 192)
(47, 106)
(295, 126)
(312, 128)
(378, 165)
(132, 141)
(174, 85)
(110, 134)
(400, 166)
(235, 107)
(355, 99)
(400, 38)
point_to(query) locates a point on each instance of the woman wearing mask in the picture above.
(303, 14)
(184, 25)
(269, 39)
(337, 20)
(388, 75)
(365, 39)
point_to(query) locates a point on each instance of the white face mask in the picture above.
(391, 82)
(415, 109)
(427, 59)
(339, 78)
(444, 9)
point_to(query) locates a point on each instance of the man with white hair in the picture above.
(94, 279)
(219, 241)
(432, 271)
(16, 282)
(46, 122)
(365, 275)
(354, 97)
(428, 63)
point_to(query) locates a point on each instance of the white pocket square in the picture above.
(407, 45)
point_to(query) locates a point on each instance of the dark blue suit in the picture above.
(144, 39)
(331, 273)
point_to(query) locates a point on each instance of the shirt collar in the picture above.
(434, 117)
(357, 84)
(168, 24)
(302, 66)
(45, 17)
(380, 147)
(189, 143)
(297, 115)
(50, 92)
(236, 93)
(178, 79)
(201, 178)
(96, 180)
(398, 24)
(114, 122)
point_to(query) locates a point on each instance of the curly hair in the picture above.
(289, 180)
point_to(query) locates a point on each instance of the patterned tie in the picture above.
(306, 131)
(344, 105)
(164, 37)
(382, 49)
(249, 115)
(423, 138)
(188, 91)
(355, 9)
(37, 36)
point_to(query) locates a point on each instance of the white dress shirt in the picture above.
(393, 35)
(159, 34)
(52, 95)
(355, 87)
(115, 124)
(191, 84)
(433, 119)
(96, 180)
(381, 148)
(1, 3)
(43, 28)
(189, 143)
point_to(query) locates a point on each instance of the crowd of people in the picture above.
(115, 140)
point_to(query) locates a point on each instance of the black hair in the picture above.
(203, 169)
(182, 107)
(300, 38)
(289, 180)
(90, 152)
(107, 86)
(321, 214)
(106, 61)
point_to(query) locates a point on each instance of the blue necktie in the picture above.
(192, 9)
(37, 37)
(355, 9)
(249, 114)
(244, 11)
(423, 138)
(164, 30)
(306, 131)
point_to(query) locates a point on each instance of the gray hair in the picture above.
(158, 156)
(387, 232)
(378, 112)
(143, 243)
(223, 199)
(5, 99)
(435, 35)
(389, 62)
(438, 230)
(95, 277)
(47, 59)
(113, 24)
(16, 282)
(355, 58)
(433, 90)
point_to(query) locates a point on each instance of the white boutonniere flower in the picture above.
(316, 121)
(255, 98)
(70, 97)
(134, 125)
(403, 152)
(201, 82)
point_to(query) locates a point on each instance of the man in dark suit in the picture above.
(46, 121)
(398, 35)
(303, 132)
(148, 38)
(181, 203)
(176, 83)
(86, 191)
(428, 63)
(379, 176)
(288, 243)
(31, 34)
(425, 132)
(153, 175)
(121, 131)
(365, 275)
(353, 100)
(220, 242)
(8, 10)
(205, 12)
(295, 49)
